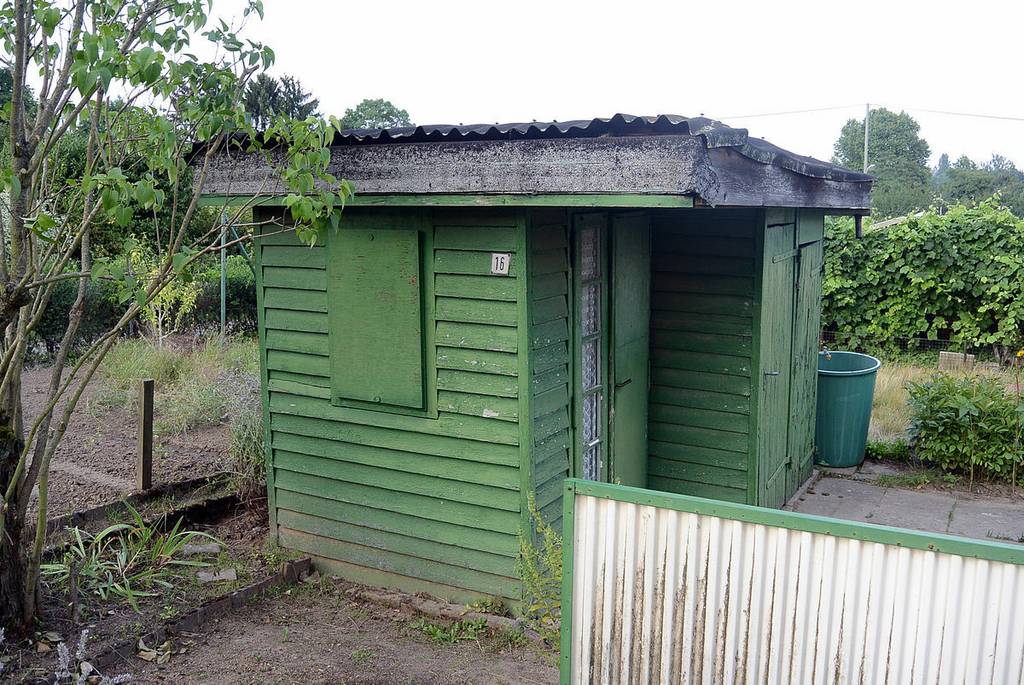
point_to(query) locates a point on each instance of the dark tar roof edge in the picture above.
(715, 134)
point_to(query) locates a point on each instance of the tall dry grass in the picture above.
(890, 411)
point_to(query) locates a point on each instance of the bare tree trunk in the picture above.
(13, 559)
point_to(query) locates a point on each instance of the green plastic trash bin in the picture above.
(846, 385)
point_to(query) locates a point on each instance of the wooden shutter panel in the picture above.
(375, 316)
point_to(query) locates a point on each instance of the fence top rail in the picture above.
(868, 532)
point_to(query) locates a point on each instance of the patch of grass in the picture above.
(891, 451)
(193, 385)
(244, 410)
(907, 480)
(205, 386)
(505, 640)
(489, 605)
(452, 633)
(129, 561)
(363, 656)
(890, 412)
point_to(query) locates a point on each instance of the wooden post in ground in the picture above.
(144, 465)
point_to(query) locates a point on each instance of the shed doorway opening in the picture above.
(694, 339)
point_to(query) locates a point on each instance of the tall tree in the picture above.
(81, 51)
(968, 182)
(267, 97)
(898, 156)
(942, 170)
(263, 100)
(377, 113)
(296, 103)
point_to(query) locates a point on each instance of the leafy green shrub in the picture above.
(891, 451)
(102, 311)
(540, 569)
(958, 276)
(968, 425)
(194, 305)
(240, 297)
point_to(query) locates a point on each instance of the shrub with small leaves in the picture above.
(540, 569)
(967, 424)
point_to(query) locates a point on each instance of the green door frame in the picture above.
(622, 262)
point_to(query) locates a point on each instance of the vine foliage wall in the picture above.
(953, 276)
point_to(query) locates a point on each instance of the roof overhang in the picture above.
(634, 170)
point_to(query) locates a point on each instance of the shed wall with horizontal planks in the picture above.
(422, 503)
(550, 374)
(703, 307)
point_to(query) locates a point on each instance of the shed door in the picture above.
(777, 297)
(630, 343)
(806, 331)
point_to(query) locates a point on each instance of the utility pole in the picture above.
(857, 220)
(867, 133)
(223, 275)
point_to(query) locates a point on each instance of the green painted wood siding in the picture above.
(409, 501)
(702, 317)
(550, 372)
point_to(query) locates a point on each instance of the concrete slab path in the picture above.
(974, 516)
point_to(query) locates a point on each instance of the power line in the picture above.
(965, 114)
(976, 115)
(793, 111)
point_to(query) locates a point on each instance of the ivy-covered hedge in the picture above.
(101, 314)
(241, 298)
(956, 276)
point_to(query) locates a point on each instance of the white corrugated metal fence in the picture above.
(664, 595)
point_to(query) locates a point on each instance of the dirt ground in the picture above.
(313, 632)
(95, 463)
(241, 532)
(317, 634)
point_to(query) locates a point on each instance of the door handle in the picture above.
(619, 386)
(772, 373)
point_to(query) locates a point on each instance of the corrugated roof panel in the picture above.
(715, 134)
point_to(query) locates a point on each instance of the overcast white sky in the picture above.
(472, 62)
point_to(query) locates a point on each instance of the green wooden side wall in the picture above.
(432, 504)
(550, 372)
(703, 294)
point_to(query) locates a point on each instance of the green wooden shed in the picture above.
(633, 299)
